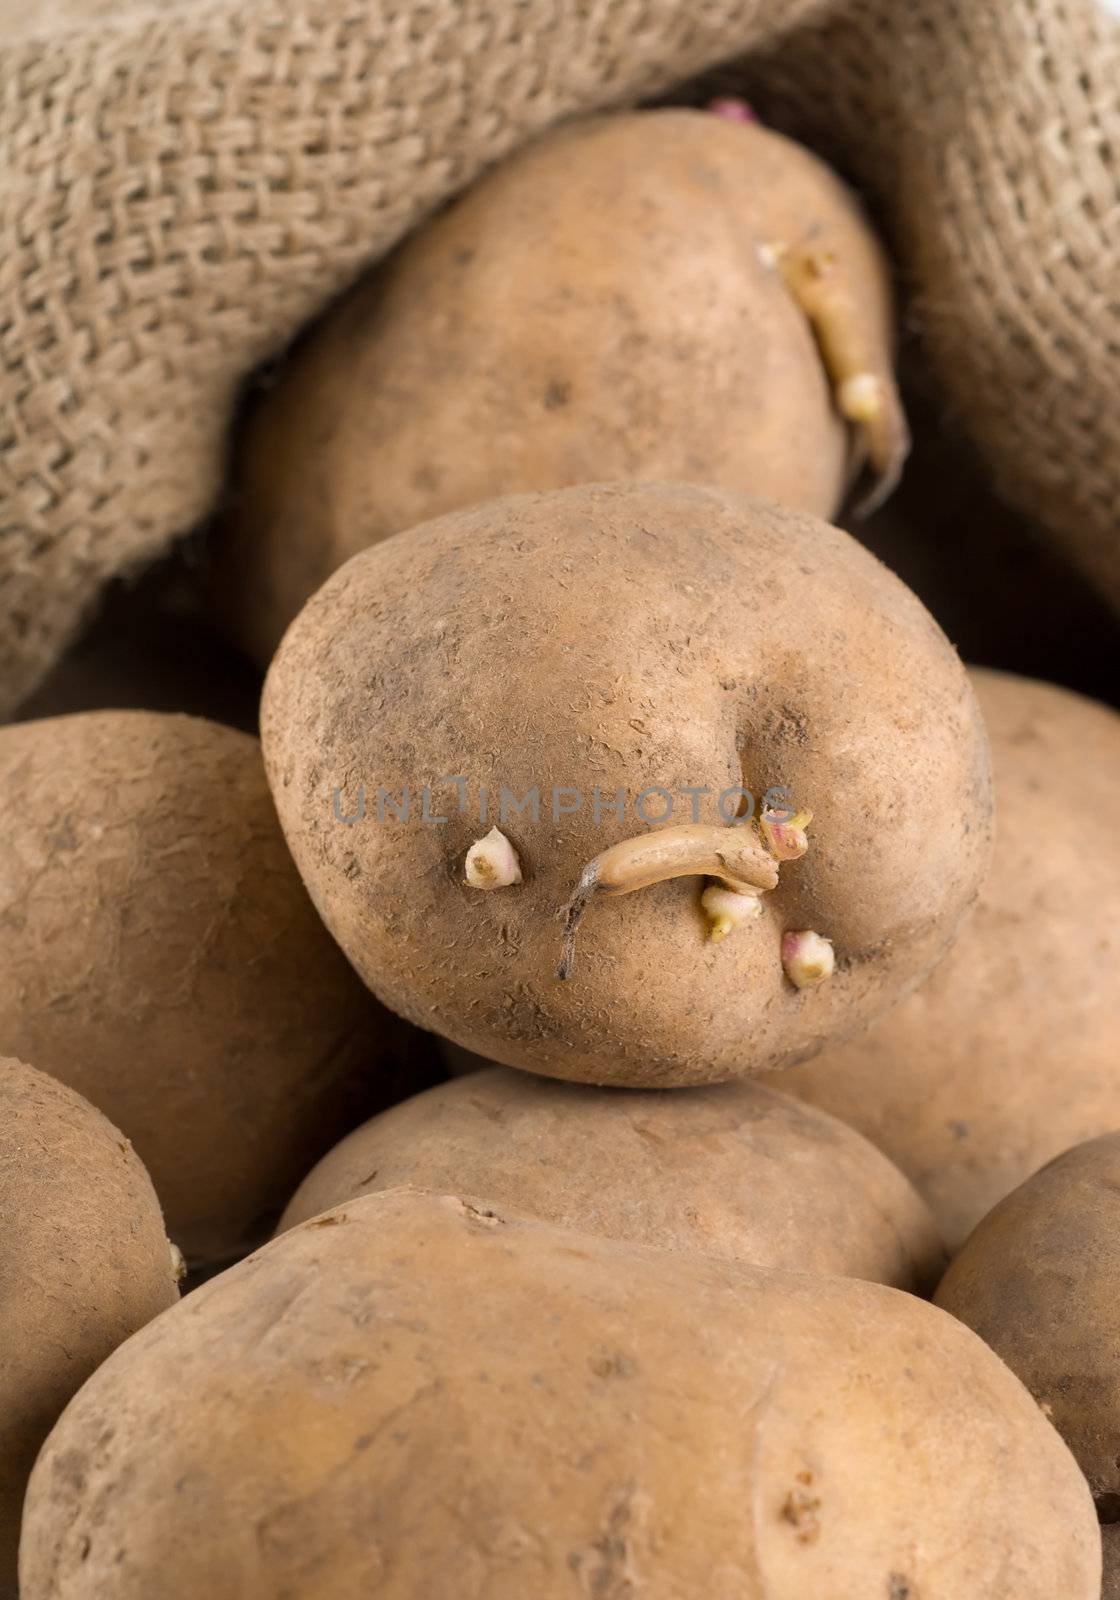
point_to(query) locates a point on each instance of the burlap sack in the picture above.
(182, 184)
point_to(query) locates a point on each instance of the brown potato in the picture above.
(734, 1170)
(619, 300)
(1039, 1281)
(627, 638)
(84, 1263)
(416, 1396)
(1010, 1052)
(158, 953)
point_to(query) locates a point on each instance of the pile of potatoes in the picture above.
(394, 1204)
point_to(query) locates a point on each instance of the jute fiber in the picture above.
(184, 184)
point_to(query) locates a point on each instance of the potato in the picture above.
(735, 1170)
(417, 1396)
(1039, 1280)
(84, 1262)
(158, 953)
(631, 297)
(677, 644)
(1010, 1052)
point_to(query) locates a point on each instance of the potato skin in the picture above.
(158, 953)
(417, 1396)
(596, 308)
(84, 1263)
(1039, 1280)
(621, 637)
(1010, 1052)
(733, 1170)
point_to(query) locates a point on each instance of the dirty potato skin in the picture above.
(1010, 1052)
(600, 306)
(84, 1263)
(159, 954)
(1039, 1280)
(416, 1396)
(625, 637)
(734, 1170)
